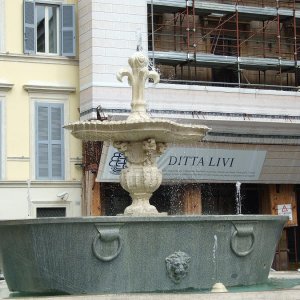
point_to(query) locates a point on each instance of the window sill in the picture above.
(41, 183)
(38, 58)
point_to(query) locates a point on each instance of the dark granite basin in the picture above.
(137, 254)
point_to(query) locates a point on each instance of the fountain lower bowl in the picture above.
(137, 254)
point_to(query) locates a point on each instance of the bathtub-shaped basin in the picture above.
(137, 254)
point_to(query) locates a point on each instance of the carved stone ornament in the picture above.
(241, 232)
(177, 266)
(137, 78)
(140, 138)
(141, 177)
(107, 234)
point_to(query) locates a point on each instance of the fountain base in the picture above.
(219, 287)
(126, 254)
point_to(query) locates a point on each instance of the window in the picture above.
(48, 212)
(49, 29)
(49, 141)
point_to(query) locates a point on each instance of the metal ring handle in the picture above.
(106, 258)
(242, 253)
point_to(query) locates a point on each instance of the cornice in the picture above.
(6, 86)
(35, 88)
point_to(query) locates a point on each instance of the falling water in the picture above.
(215, 262)
(238, 198)
(139, 46)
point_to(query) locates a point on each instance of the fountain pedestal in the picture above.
(141, 177)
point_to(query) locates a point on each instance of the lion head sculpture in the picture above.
(177, 266)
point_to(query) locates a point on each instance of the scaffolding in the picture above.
(243, 43)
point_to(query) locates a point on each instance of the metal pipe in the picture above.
(194, 39)
(174, 31)
(152, 29)
(264, 40)
(279, 38)
(188, 38)
(295, 43)
(238, 43)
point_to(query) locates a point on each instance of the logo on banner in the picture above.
(117, 163)
(285, 210)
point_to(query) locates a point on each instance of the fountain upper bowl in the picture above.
(133, 131)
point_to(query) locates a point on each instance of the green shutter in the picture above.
(68, 36)
(49, 141)
(29, 26)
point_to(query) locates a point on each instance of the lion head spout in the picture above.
(177, 265)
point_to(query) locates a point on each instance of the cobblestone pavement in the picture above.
(286, 294)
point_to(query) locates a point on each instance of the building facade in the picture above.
(230, 65)
(39, 93)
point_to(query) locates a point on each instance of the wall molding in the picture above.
(198, 114)
(53, 89)
(40, 184)
(6, 86)
(192, 87)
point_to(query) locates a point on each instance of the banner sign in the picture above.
(191, 164)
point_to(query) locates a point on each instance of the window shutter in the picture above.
(68, 37)
(49, 141)
(29, 26)
(42, 141)
(57, 142)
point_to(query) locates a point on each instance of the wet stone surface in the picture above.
(281, 285)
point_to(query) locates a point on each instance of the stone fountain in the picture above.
(140, 138)
(142, 250)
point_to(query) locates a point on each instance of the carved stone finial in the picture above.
(137, 78)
